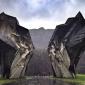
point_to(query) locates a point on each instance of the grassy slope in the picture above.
(80, 79)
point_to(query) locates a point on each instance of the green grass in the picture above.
(4, 81)
(80, 79)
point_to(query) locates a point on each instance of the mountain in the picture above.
(41, 37)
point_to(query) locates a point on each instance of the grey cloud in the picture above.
(22, 9)
(56, 9)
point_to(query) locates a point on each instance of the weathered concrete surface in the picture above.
(16, 37)
(6, 58)
(41, 37)
(81, 64)
(39, 64)
(66, 46)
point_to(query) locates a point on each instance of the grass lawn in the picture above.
(3, 81)
(80, 79)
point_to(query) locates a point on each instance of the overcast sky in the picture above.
(42, 13)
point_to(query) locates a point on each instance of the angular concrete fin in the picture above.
(79, 15)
